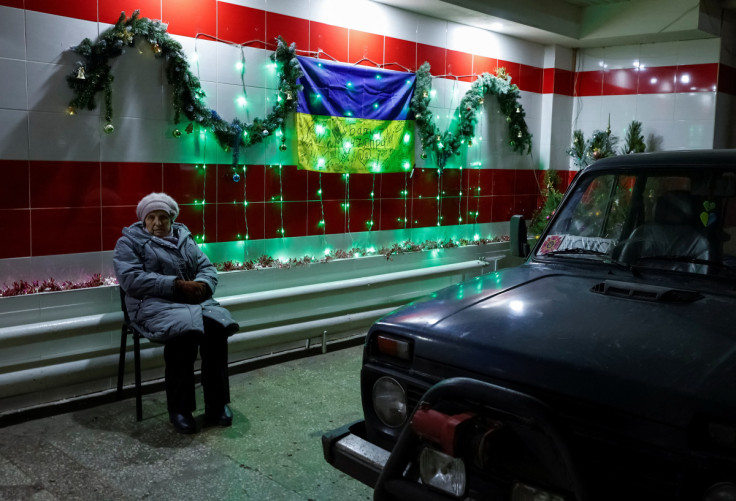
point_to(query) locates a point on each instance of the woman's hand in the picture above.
(190, 292)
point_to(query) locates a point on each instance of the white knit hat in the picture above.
(157, 201)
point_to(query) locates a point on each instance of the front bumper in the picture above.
(347, 449)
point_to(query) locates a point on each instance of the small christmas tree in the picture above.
(634, 139)
(552, 198)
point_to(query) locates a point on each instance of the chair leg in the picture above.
(121, 361)
(138, 398)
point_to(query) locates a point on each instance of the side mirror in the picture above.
(517, 233)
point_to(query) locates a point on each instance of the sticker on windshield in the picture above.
(550, 244)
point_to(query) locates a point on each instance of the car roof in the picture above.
(679, 158)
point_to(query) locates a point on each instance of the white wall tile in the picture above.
(50, 38)
(464, 38)
(655, 107)
(520, 51)
(13, 134)
(139, 86)
(432, 31)
(401, 24)
(532, 103)
(135, 140)
(698, 51)
(621, 110)
(690, 134)
(489, 44)
(12, 33)
(286, 7)
(658, 54)
(229, 104)
(333, 12)
(587, 109)
(201, 56)
(254, 4)
(368, 16)
(695, 106)
(58, 136)
(13, 76)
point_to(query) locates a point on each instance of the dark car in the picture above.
(603, 368)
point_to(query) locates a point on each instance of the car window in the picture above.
(682, 219)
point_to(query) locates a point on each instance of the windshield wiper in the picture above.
(682, 259)
(575, 251)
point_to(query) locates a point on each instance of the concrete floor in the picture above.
(272, 452)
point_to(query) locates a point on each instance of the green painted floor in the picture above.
(272, 452)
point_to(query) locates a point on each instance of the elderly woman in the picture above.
(169, 283)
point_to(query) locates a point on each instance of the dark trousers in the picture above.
(180, 353)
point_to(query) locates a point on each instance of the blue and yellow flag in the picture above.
(354, 119)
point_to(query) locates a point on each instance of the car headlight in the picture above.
(442, 472)
(725, 491)
(389, 401)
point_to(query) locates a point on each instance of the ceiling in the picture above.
(581, 23)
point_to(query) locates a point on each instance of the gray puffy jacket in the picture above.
(146, 267)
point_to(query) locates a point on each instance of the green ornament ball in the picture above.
(108, 129)
(176, 133)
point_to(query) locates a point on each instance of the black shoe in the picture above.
(183, 423)
(222, 416)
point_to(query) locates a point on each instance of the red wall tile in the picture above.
(483, 64)
(80, 9)
(696, 78)
(620, 82)
(126, 183)
(255, 213)
(335, 216)
(201, 220)
(450, 211)
(512, 69)
(287, 182)
(14, 194)
(564, 82)
(333, 185)
(657, 80)
(526, 182)
(459, 64)
(230, 222)
(435, 56)
(18, 4)
(114, 219)
(502, 208)
(400, 55)
(17, 223)
(109, 10)
(362, 185)
(530, 78)
(189, 17)
(484, 206)
(362, 45)
(392, 214)
(186, 183)
(504, 181)
(332, 40)
(65, 231)
(423, 212)
(391, 185)
(361, 213)
(65, 184)
(589, 83)
(424, 183)
(548, 80)
(291, 29)
(241, 25)
(314, 216)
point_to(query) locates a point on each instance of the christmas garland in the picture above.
(444, 145)
(93, 75)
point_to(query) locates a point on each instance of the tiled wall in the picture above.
(68, 188)
(672, 88)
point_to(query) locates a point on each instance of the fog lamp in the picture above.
(442, 472)
(523, 492)
(389, 401)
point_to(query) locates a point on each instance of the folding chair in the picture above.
(134, 330)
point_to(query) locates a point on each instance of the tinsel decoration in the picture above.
(188, 96)
(443, 145)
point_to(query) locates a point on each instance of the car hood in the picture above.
(534, 327)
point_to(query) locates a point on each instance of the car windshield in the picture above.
(679, 219)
